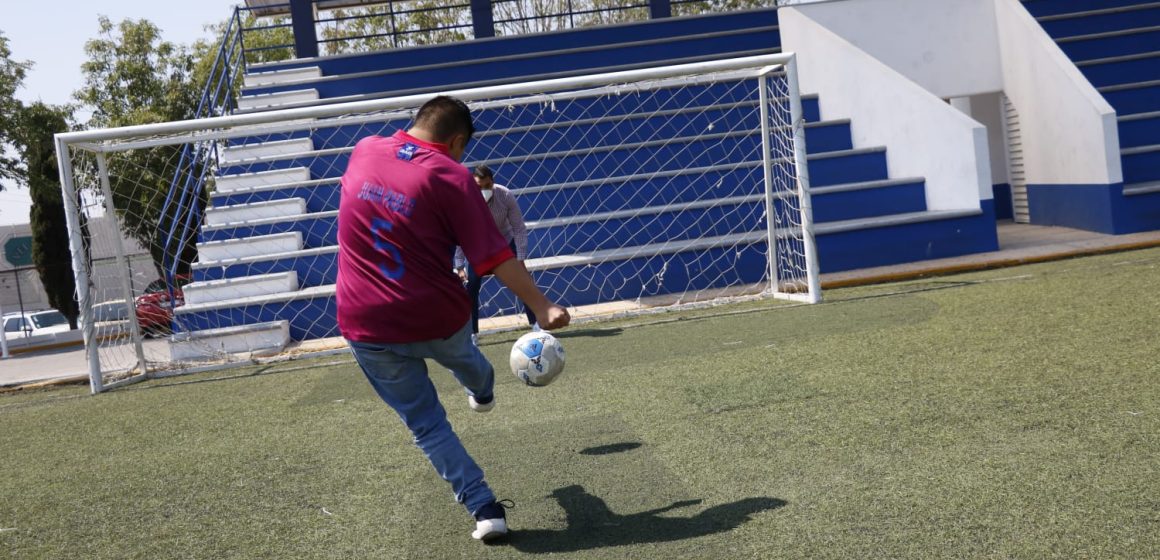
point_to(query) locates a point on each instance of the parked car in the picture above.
(35, 323)
(155, 310)
(111, 318)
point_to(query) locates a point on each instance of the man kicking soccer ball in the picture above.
(406, 204)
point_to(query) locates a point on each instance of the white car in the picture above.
(35, 323)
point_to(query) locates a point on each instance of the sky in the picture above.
(53, 35)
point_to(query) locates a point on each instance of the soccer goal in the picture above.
(201, 244)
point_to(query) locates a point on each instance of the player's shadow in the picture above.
(592, 525)
(589, 333)
(611, 448)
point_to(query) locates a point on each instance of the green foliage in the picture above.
(12, 74)
(265, 40)
(50, 244)
(133, 77)
(717, 6)
(539, 16)
(386, 26)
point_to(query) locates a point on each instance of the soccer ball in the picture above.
(537, 358)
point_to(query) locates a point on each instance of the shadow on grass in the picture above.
(611, 448)
(592, 525)
(589, 333)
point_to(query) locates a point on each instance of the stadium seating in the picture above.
(1116, 45)
(268, 247)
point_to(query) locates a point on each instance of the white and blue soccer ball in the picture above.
(537, 358)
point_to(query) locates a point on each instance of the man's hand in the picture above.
(554, 317)
(515, 276)
(462, 274)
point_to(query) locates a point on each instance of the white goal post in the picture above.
(655, 188)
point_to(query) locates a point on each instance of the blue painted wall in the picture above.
(1102, 208)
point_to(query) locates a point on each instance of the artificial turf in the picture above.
(1002, 414)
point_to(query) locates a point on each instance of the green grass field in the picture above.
(1003, 414)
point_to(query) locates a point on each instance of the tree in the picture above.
(50, 243)
(12, 74)
(716, 6)
(134, 77)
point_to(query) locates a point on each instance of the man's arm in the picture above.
(515, 276)
(515, 219)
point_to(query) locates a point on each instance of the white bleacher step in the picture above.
(279, 298)
(1120, 58)
(258, 150)
(331, 215)
(1123, 87)
(259, 338)
(1099, 12)
(677, 246)
(213, 291)
(226, 249)
(1138, 116)
(249, 212)
(313, 183)
(203, 263)
(231, 183)
(311, 153)
(279, 77)
(864, 185)
(1140, 150)
(892, 220)
(273, 100)
(1108, 34)
(1142, 188)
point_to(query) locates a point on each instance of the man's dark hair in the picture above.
(483, 172)
(445, 116)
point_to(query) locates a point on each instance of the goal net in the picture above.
(203, 243)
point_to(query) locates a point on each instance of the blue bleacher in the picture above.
(864, 216)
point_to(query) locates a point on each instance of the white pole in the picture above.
(119, 250)
(3, 338)
(80, 271)
(413, 101)
(813, 273)
(767, 172)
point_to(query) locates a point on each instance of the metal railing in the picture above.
(517, 17)
(390, 25)
(197, 162)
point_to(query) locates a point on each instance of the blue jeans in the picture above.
(473, 284)
(398, 374)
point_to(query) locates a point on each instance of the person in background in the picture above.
(510, 222)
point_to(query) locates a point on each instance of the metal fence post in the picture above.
(659, 9)
(302, 22)
(482, 19)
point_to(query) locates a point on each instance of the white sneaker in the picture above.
(491, 521)
(478, 406)
(488, 530)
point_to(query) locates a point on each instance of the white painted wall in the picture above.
(924, 135)
(960, 49)
(987, 110)
(949, 47)
(1070, 135)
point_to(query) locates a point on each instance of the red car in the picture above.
(155, 311)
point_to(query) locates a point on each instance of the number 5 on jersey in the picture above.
(379, 228)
